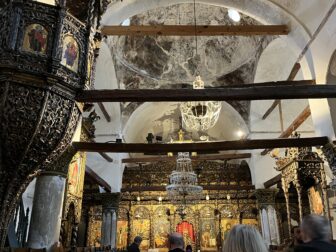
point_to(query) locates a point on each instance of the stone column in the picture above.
(110, 203)
(269, 222)
(45, 223)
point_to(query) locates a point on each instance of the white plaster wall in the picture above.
(322, 49)
(105, 78)
(51, 2)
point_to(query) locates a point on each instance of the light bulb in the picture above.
(126, 22)
(207, 197)
(240, 133)
(228, 197)
(138, 198)
(234, 15)
(160, 199)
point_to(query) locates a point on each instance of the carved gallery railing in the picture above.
(46, 58)
(303, 175)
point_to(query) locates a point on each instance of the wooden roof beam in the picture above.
(198, 147)
(195, 158)
(97, 179)
(263, 91)
(291, 77)
(205, 187)
(191, 30)
(299, 120)
(273, 181)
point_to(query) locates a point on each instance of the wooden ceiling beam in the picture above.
(266, 91)
(195, 158)
(104, 111)
(299, 120)
(97, 179)
(191, 30)
(204, 146)
(205, 187)
(273, 181)
(291, 77)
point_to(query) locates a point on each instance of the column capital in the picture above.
(265, 197)
(61, 166)
(110, 200)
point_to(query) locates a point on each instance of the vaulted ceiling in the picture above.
(172, 62)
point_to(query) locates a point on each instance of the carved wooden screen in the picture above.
(122, 229)
(94, 229)
(208, 229)
(161, 227)
(141, 226)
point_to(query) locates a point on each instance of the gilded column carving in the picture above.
(299, 193)
(288, 212)
(298, 166)
(151, 234)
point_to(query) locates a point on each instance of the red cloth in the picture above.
(186, 227)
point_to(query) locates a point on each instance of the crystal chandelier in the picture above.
(183, 188)
(200, 115)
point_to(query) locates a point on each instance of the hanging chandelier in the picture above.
(200, 115)
(183, 188)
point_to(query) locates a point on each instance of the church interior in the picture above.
(126, 118)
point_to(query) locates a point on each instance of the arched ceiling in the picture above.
(172, 62)
(164, 122)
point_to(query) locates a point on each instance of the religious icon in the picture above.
(122, 227)
(35, 39)
(142, 228)
(187, 230)
(75, 177)
(208, 236)
(315, 200)
(227, 225)
(94, 228)
(70, 53)
(161, 231)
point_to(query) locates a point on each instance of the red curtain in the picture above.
(186, 227)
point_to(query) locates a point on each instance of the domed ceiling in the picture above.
(171, 62)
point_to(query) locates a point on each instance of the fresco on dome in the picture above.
(35, 39)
